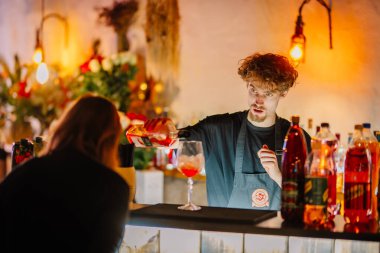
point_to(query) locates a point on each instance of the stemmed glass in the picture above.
(191, 161)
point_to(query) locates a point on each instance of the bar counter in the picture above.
(240, 221)
(164, 228)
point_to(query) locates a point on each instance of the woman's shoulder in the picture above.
(66, 163)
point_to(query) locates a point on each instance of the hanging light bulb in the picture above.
(38, 55)
(42, 73)
(298, 42)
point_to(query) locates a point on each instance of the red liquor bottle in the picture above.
(15, 155)
(159, 132)
(377, 134)
(357, 180)
(293, 173)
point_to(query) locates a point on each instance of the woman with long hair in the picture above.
(69, 199)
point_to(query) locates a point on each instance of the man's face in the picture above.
(263, 103)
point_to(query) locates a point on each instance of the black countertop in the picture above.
(243, 221)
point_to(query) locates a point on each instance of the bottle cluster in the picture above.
(25, 149)
(332, 179)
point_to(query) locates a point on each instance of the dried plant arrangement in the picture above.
(162, 33)
(120, 16)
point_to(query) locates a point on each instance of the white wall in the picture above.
(339, 86)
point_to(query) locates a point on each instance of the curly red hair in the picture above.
(270, 71)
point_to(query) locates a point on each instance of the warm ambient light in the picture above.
(296, 52)
(37, 56)
(42, 73)
(297, 47)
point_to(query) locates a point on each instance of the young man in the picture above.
(243, 149)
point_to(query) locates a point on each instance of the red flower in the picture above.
(22, 90)
(85, 66)
(125, 67)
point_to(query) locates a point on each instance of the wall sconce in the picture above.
(42, 73)
(298, 40)
(38, 55)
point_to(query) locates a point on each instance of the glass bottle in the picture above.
(37, 146)
(293, 173)
(320, 180)
(357, 180)
(349, 138)
(3, 167)
(373, 146)
(310, 126)
(159, 132)
(377, 134)
(340, 156)
(317, 129)
(15, 155)
(26, 149)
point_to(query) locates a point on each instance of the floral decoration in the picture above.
(22, 97)
(109, 77)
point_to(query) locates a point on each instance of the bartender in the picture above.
(243, 149)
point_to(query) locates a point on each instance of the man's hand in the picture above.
(269, 161)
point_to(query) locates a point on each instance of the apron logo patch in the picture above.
(260, 198)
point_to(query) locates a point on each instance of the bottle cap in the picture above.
(367, 125)
(337, 136)
(295, 119)
(325, 124)
(358, 127)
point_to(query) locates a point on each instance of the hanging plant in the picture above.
(120, 16)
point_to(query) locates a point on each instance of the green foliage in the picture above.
(142, 157)
(109, 78)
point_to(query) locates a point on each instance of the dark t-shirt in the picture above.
(219, 134)
(256, 138)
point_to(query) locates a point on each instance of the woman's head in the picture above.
(91, 125)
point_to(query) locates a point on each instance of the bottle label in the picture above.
(355, 191)
(316, 191)
(141, 141)
(289, 193)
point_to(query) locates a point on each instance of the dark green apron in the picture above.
(255, 191)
